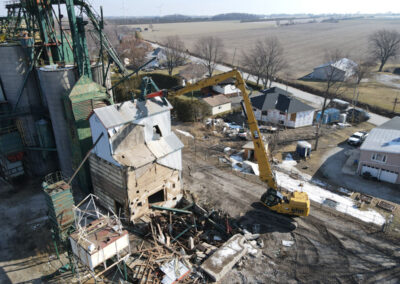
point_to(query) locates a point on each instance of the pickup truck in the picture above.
(357, 138)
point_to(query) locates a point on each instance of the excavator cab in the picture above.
(295, 203)
(272, 197)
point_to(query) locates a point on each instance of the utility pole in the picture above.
(233, 59)
(395, 102)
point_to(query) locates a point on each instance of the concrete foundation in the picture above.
(222, 260)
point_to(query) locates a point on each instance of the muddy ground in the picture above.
(326, 249)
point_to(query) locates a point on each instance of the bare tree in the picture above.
(334, 83)
(211, 50)
(253, 62)
(271, 53)
(174, 52)
(384, 44)
(361, 71)
(133, 49)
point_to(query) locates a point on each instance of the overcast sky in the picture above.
(212, 7)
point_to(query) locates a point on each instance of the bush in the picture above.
(189, 110)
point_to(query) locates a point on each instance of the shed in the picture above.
(303, 149)
(218, 104)
(248, 148)
(331, 115)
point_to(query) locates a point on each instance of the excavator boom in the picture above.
(296, 203)
(261, 154)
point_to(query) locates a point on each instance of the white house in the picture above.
(279, 107)
(340, 70)
(218, 104)
(137, 161)
(227, 88)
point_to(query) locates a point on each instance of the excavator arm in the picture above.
(295, 203)
(266, 173)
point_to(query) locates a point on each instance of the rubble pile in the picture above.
(187, 244)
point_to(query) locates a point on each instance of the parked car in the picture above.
(360, 115)
(357, 138)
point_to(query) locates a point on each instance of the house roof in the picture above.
(217, 100)
(135, 157)
(394, 124)
(193, 71)
(343, 64)
(276, 98)
(229, 81)
(384, 138)
(165, 145)
(125, 112)
(157, 51)
(138, 155)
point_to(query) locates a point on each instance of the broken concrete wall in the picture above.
(148, 181)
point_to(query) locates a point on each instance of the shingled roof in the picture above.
(216, 100)
(276, 98)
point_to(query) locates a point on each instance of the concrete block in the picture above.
(223, 259)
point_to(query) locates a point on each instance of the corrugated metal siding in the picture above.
(55, 84)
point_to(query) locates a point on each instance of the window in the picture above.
(264, 112)
(156, 197)
(282, 113)
(377, 157)
(156, 132)
(293, 117)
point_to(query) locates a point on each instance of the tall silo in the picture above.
(13, 70)
(55, 83)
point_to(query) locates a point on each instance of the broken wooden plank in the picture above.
(385, 206)
(171, 209)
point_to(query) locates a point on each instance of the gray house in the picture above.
(279, 107)
(340, 70)
(380, 152)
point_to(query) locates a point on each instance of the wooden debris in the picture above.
(385, 206)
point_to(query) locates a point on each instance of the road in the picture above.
(313, 100)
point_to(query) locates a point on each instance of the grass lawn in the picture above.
(372, 93)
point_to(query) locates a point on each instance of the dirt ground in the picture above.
(26, 249)
(326, 249)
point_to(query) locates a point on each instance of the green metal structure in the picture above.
(85, 96)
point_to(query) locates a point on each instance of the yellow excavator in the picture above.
(295, 203)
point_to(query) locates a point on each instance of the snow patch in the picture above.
(287, 243)
(318, 194)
